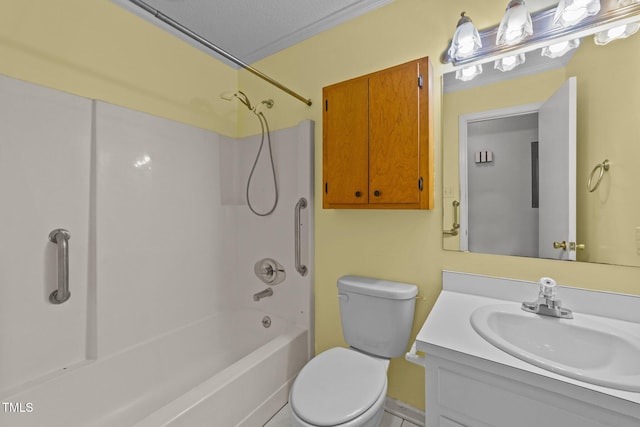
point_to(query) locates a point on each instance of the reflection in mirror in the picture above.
(607, 128)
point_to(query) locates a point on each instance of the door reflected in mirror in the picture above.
(607, 123)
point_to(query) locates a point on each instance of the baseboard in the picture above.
(403, 410)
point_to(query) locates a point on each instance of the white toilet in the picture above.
(347, 387)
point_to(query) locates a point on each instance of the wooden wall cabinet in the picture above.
(378, 140)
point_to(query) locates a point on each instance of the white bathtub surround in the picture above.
(45, 177)
(162, 251)
(183, 375)
(250, 238)
(471, 382)
(159, 221)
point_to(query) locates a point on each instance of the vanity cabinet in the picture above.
(377, 140)
(470, 382)
(479, 395)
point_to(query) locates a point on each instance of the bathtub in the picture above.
(226, 370)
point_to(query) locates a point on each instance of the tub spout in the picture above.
(263, 294)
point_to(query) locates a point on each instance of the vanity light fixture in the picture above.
(516, 24)
(508, 63)
(570, 12)
(615, 33)
(557, 50)
(468, 73)
(614, 19)
(466, 40)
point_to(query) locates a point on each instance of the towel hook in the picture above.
(600, 169)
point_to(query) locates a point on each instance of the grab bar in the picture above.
(302, 203)
(456, 221)
(61, 238)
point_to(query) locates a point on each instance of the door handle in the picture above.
(572, 246)
(560, 245)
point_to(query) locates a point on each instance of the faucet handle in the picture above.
(548, 288)
(548, 304)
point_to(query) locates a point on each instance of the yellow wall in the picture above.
(98, 50)
(608, 128)
(95, 49)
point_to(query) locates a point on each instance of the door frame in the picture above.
(463, 126)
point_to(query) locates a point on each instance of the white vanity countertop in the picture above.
(448, 325)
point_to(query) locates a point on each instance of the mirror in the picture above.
(607, 128)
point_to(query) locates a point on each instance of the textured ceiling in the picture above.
(253, 29)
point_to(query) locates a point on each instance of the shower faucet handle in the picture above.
(269, 271)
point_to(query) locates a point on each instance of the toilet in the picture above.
(347, 387)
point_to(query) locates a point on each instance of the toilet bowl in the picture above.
(347, 387)
(340, 387)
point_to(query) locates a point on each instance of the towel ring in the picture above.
(600, 169)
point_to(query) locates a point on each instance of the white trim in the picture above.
(404, 411)
(349, 12)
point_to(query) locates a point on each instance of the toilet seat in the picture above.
(338, 386)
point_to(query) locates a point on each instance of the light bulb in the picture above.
(615, 33)
(466, 40)
(570, 12)
(556, 50)
(516, 24)
(508, 63)
(468, 73)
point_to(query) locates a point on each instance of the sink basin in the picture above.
(586, 348)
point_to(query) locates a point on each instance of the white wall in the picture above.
(159, 253)
(502, 220)
(160, 232)
(45, 148)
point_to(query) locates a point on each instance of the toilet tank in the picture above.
(376, 315)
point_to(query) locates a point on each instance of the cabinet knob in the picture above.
(377, 193)
(358, 194)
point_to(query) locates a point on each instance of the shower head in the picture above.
(228, 96)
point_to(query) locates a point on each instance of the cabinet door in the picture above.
(345, 143)
(394, 135)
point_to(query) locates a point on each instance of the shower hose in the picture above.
(265, 129)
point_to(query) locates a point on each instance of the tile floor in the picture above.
(282, 419)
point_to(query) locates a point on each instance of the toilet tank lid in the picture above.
(377, 287)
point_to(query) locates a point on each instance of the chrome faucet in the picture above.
(548, 304)
(262, 294)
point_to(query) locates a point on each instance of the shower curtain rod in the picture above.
(186, 31)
